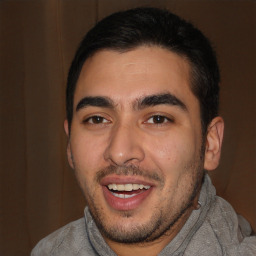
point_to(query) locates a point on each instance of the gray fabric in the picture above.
(213, 230)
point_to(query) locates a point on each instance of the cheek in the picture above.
(86, 156)
(171, 151)
(169, 148)
(87, 152)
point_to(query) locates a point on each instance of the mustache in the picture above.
(130, 170)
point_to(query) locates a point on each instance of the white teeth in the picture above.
(127, 187)
(120, 187)
(123, 196)
(136, 186)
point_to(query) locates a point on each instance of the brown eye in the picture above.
(96, 120)
(158, 119)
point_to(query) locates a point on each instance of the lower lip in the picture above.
(125, 204)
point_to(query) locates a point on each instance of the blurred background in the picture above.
(38, 39)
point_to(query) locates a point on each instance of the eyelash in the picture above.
(152, 120)
(163, 120)
(90, 119)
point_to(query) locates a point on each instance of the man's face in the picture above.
(136, 141)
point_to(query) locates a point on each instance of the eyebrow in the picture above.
(97, 101)
(141, 103)
(160, 99)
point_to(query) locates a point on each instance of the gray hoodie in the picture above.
(213, 230)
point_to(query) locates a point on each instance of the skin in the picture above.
(118, 138)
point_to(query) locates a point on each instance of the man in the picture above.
(143, 126)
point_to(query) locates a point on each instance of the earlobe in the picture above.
(69, 154)
(213, 143)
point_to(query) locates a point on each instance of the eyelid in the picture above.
(104, 120)
(89, 117)
(168, 118)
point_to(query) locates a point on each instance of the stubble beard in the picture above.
(160, 224)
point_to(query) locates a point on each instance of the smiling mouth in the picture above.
(126, 191)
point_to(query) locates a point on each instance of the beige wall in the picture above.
(38, 40)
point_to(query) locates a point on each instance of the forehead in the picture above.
(126, 76)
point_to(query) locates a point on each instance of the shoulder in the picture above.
(68, 240)
(227, 232)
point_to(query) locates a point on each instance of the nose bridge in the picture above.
(124, 144)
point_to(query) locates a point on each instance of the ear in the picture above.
(69, 154)
(214, 139)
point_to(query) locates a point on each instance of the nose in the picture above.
(125, 146)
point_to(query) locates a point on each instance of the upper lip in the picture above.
(116, 179)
